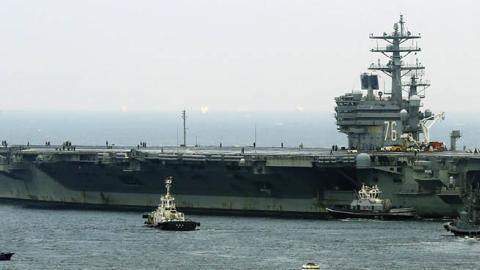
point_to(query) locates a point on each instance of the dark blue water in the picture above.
(86, 239)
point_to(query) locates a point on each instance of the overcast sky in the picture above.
(222, 55)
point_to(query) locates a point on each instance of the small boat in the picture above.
(463, 226)
(166, 216)
(369, 205)
(6, 256)
(310, 266)
(468, 222)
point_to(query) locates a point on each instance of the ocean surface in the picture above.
(312, 129)
(88, 239)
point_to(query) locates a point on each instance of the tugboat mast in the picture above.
(168, 185)
(168, 202)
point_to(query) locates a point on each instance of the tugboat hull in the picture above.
(178, 225)
(451, 227)
(6, 256)
(396, 214)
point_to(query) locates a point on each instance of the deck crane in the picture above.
(427, 123)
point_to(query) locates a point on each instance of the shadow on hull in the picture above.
(34, 204)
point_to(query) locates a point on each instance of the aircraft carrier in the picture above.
(388, 145)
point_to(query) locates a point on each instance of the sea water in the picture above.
(88, 239)
(311, 129)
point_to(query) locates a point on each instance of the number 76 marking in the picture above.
(390, 129)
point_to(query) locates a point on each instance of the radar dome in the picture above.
(428, 113)
(241, 162)
(363, 160)
(403, 114)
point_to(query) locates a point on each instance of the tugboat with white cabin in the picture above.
(369, 205)
(166, 216)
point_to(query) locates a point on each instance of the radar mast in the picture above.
(395, 52)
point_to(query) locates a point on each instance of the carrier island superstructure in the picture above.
(388, 145)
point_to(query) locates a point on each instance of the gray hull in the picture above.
(258, 184)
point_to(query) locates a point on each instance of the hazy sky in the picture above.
(225, 55)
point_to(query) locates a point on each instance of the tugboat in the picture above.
(166, 216)
(369, 205)
(6, 256)
(468, 223)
